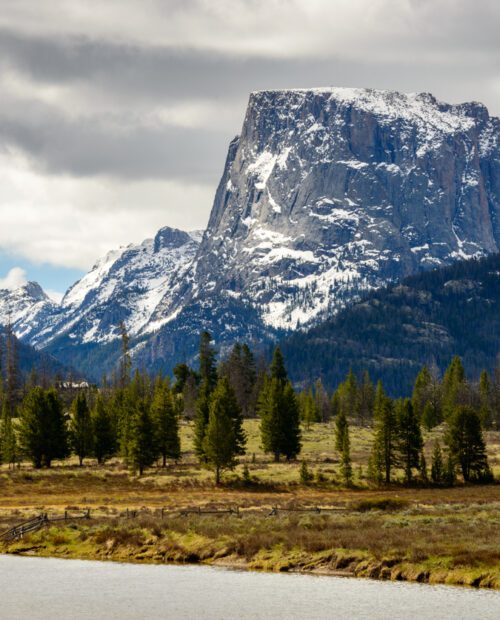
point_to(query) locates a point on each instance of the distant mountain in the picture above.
(30, 359)
(329, 193)
(392, 332)
(325, 195)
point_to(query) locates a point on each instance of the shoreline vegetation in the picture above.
(230, 465)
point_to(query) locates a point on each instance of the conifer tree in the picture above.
(437, 466)
(466, 444)
(42, 429)
(104, 437)
(279, 413)
(208, 379)
(142, 451)
(166, 423)
(366, 397)
(224, 438)
(409, 439)
(485, 400)
(421, 391)
(454, 387)
(8, 441)
(383, 457)
(345, 458)
(341, 429)
(81, 431)
(125, 361)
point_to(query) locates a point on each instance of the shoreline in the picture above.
(326, 563)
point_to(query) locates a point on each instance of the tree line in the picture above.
(137, 417)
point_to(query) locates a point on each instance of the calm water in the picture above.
(36, 588)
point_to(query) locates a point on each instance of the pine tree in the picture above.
(383, 457)
(341, 429)
(437, 466)
(409, 438)
(42, 429)
(485, 400)
(8, 442)
(466, 444)
(454, 387)
(366, 397)
(290, 422)
(12, 371)
(224, 437)
(345, 458)
(125, 361)
(104, 442)
(421, 391)
(277, 368)
(81, 431)
(141, 452)
(208, 378)
(166, 423)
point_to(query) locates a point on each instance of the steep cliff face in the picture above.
(331, 191)
(27, 308)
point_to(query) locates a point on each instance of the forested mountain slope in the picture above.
(392, 332)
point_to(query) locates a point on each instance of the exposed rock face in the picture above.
(326, 193)
(28, 309)
(331, 191)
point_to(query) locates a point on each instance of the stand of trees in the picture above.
(137, 417)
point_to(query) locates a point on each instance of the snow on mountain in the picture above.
(28, 309)
(331, 191)
(125, 285)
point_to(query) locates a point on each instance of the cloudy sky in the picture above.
(115, 115)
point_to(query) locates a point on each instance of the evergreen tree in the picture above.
(141, 452)
(307, 408)
(409, 439)
(437, 466)
(466, 444)
(81, 431)
(8, 442)
(279, 413)
(42, 429)
(208, 378)
(277, 368)
(485, 400)
(366, 397)
(125, 361)
(103, 434)
(341, 429)
(345, 457)
(383, 457)
(421, 391)
(224, 437)
(454, 387)
(166, 423)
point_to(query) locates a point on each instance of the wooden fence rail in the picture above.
(36, 523)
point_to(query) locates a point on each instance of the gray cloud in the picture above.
(151, 92)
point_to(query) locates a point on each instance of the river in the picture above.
(39, 589)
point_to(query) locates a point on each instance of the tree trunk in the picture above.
(217, 475)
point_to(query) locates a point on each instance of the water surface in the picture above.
(40, 589)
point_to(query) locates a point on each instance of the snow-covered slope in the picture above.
(125, 285)
(28, 309)
(330, 191)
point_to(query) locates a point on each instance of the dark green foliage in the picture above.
(8, 442)
(239, 368)
(409, 438)
(42, 429)
(466, 444)
(393, 332)
(277, 369)
(208, 378)
(383, 456)
(279, 413)
(345, 458)
(341, 429)
(224, 437)
(80, 428)
(304, 474)
(141, 451)
(166, 423)
(454, 387)
(103, 431)
(437, 466)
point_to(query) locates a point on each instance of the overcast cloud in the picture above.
(115, 116)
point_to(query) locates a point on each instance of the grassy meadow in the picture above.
(441, 535)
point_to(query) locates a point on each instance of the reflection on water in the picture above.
(38, 588)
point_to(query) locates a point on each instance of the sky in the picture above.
(115, 116)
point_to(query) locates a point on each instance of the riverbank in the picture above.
(452, 544)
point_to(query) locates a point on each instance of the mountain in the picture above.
(325, 195)
(28, 309)
(392, 332)
(331, 192)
